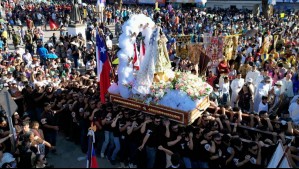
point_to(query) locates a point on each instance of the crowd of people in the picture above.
(254, 104)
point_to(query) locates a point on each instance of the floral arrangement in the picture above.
(158, 90)
(192, 85)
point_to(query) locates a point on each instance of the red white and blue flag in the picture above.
(91, 155)
(103, 66)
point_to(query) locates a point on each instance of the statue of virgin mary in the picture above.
(155, 65)
(75, 16)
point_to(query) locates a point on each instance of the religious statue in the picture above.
(155, 66)
(228, 50)
(163, 62)
(265, 45)
(75, 16)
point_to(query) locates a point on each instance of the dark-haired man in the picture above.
(50, 125)
(152, 139)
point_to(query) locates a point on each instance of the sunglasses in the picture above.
(218, 140)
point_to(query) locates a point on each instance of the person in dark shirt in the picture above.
(134, 137)
(240, 158)
(227, 151)
(254, 155)
(174, 138)
(106, 123)
(27, 92)
(124, 125)
(223, 153)
(116, 126)
(185, 148)
(50, 125)
(206, 148)
(152, 140)
(39, 98)
(4, 132)
(54, 39)
(75, 54)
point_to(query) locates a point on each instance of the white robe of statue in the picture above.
(145, 75)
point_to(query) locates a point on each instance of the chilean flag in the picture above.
(103, 66)
(91, 155)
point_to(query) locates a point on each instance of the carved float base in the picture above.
(179, 116)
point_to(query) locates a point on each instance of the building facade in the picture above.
(240, 4)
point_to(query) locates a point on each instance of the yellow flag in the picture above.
(84, 13)
(282, 15)
(116, 61)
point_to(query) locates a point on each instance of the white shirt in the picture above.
(263, 107)
(263, 89)
(109, 44)
(259, 80)
(20, 51)
(260, 40)
(56, 84)
(253, 75)
(237, 85)
(225, 87)
(27, 58)
(294, 111)
(90, 66)
(287, 87)
(40, 83)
